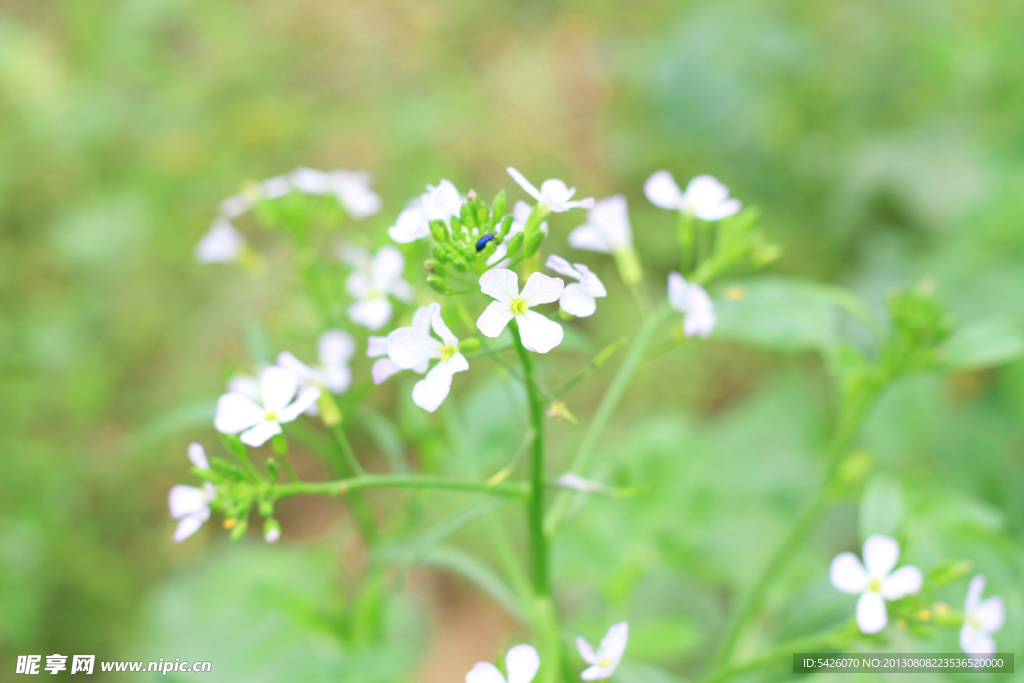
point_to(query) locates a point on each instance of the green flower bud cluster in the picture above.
(740, 247)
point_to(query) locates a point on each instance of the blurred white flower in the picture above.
(377, 347)
(521, 663)
(197, 456)
(334, 350)
(607, 229)
(189, 504)
(578, 297)
(981, 619)
(877, 583)
(520, 214)
(221, 244)
(608, 655)
(694, 303)
(238, 413)
(573, 481)
(705, 197)
(352, 188)
(273, 188)
(437, 203)
(537, 332)
(412, 347)
(373, 281)
(554, 194)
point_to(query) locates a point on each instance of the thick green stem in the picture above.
(585, 451)
(408, 481)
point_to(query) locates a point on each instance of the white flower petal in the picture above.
(880, 555)
(596, 673)
(522, 663)
(613, 645)
(991, 614)
(306, 398)
(662, 191)
(847, 573)
(571, 480)
(484, 672)
(494, 318)
(186, 500)
(260, 434)
(974, 591)
(236, 413)
(337, 379)
(411, 225)
(384, 368)
(335, 347)
(706, 190)
(376, 346)
(372, 314)
(440, 329)
(277, 387)
(719, 211)
(221, 244)
(500, 284)
(906, 580)
(541, 289)
(539, 334)
(234, 206)
(589, 238)
(354, 193)
(287, 361)
(442, 202)
(871, 614)
(275, 187)
(197, 455)
(575, 301)
(974, 641)
(524, 183)
(433, 389)
(190, 524)
(311, 180)
(246, 385)
(700, 315)
(355, 256)
(408, 347)
(585, 649)
(388, 265)
(677, 292)
(562, 267)
(590, 282)
(423, 318)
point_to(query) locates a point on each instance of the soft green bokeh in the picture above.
(882, 141)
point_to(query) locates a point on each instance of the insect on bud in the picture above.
(440, 285)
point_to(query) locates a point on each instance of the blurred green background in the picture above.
(882, 140)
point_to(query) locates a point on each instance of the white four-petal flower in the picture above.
(412, 347)
(437, 203)
(875, 580)
(705, 197)
(373, 281)
(609, 653)
(221, 244)
(377, 347)
(578, 297)
(694, 303)
(189, 504)
(352, 188)
(237, 413)
(334, 349)
(553, 193)
(607, 229)
(520, 214)
(537, 332)
(521, 663)
(981, 619)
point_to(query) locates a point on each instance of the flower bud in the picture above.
(271, 531)
(439, 230)
(514, 243)
(499, 204)
(273, 471)
(440, 253)
(329, 412)
(533, 246)
(469, 345)
(240, 529)
(456, 225)
(460, 265)
(440, 285)
(482, 215)
(506, 225)
(467, 215)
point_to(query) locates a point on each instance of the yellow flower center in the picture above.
(974, 621)
(604, 662)
(270, 416)
(448, 351)
(874, 585)
(519, 306)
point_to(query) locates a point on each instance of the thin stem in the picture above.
(346, 450)
(599, 360)
(585, 452)
(831, 641)
(287, 467)
(341, 487)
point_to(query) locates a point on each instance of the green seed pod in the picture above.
(239, 529)
(439, 230)
(514, 243)
(506, 225)
(498, 205)
(434, 267)
(534, 245)
(440, 285)
(469, 345)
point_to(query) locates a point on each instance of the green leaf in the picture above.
(881, 507)
(983, 343)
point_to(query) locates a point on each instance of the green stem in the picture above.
(585, 452)
(599, 360)
(346, 450)
(687, 253)
(374, 481)
(831, 641)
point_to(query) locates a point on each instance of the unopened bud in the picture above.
(440, 253)
(514, 243)
(506, 225)
(469, 345)
(329, 412)
(271, 531)
(434, 266)
(533, 246)
(460, 265)
(439, 230)
(440, 285)
(273, 471)
(499, 204)
(239, 530)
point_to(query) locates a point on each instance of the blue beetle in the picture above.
(482, 242)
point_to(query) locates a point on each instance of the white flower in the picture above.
(877, 583)
(412, 347)
(239, 413)
(552, 193)
(372, 281)
(221, 244)
(607, 228)
(246, 385)
(577, 298)
(334, 350)
(437, 203)
(521, 663)
(352, 188)
(275, 187)
(571, 480)
(705, 197)
(694, 303)
(520, 214)
(234, 206)
(537, 332)
(377, 347)
(189, 504)
(608, 655)
(981, 619)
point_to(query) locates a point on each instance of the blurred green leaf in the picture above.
(881, 507)
(663, 638)
(983, 343)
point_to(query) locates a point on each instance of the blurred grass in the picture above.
(882, 141)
